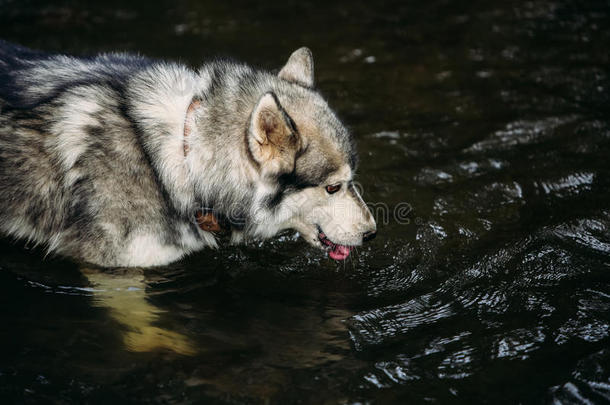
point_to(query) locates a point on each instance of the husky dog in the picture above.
(119, 160)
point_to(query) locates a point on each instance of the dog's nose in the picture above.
(370, 235)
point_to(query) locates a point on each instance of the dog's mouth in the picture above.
(335, 251)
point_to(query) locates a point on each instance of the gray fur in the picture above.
(91, 162)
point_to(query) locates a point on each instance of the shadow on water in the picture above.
(490, 119)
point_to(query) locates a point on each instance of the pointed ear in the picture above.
(272, 138)
(299, 68)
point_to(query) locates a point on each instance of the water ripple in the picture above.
(590, 382)
(382, 325)
(591, 234)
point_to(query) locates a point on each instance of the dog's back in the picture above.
(68, 150)
(29, 77)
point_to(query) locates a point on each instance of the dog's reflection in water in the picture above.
(123, 293)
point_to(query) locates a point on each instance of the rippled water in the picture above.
(489, 119)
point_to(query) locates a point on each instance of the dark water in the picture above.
(490, 119)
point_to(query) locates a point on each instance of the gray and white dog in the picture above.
(119, 160)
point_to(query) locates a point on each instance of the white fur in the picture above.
(145, 249)
(168, 102)
(343, 218)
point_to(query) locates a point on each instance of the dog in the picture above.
(120, 160)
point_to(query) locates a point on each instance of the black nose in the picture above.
(370, 235)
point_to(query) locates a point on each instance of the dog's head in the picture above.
(306, 159)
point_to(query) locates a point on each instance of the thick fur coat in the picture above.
(106, 159)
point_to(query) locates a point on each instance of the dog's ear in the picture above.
(272, 137)
(299, 68)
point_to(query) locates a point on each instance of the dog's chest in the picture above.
(156, 248)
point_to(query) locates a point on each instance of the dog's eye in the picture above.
(333, 189)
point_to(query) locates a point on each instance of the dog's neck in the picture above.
(207, 221)
(196, 144)
(215, 155)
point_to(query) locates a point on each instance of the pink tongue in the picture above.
(339, 252)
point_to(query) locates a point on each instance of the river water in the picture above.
(484, 136)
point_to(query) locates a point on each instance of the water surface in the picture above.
(485, 123)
